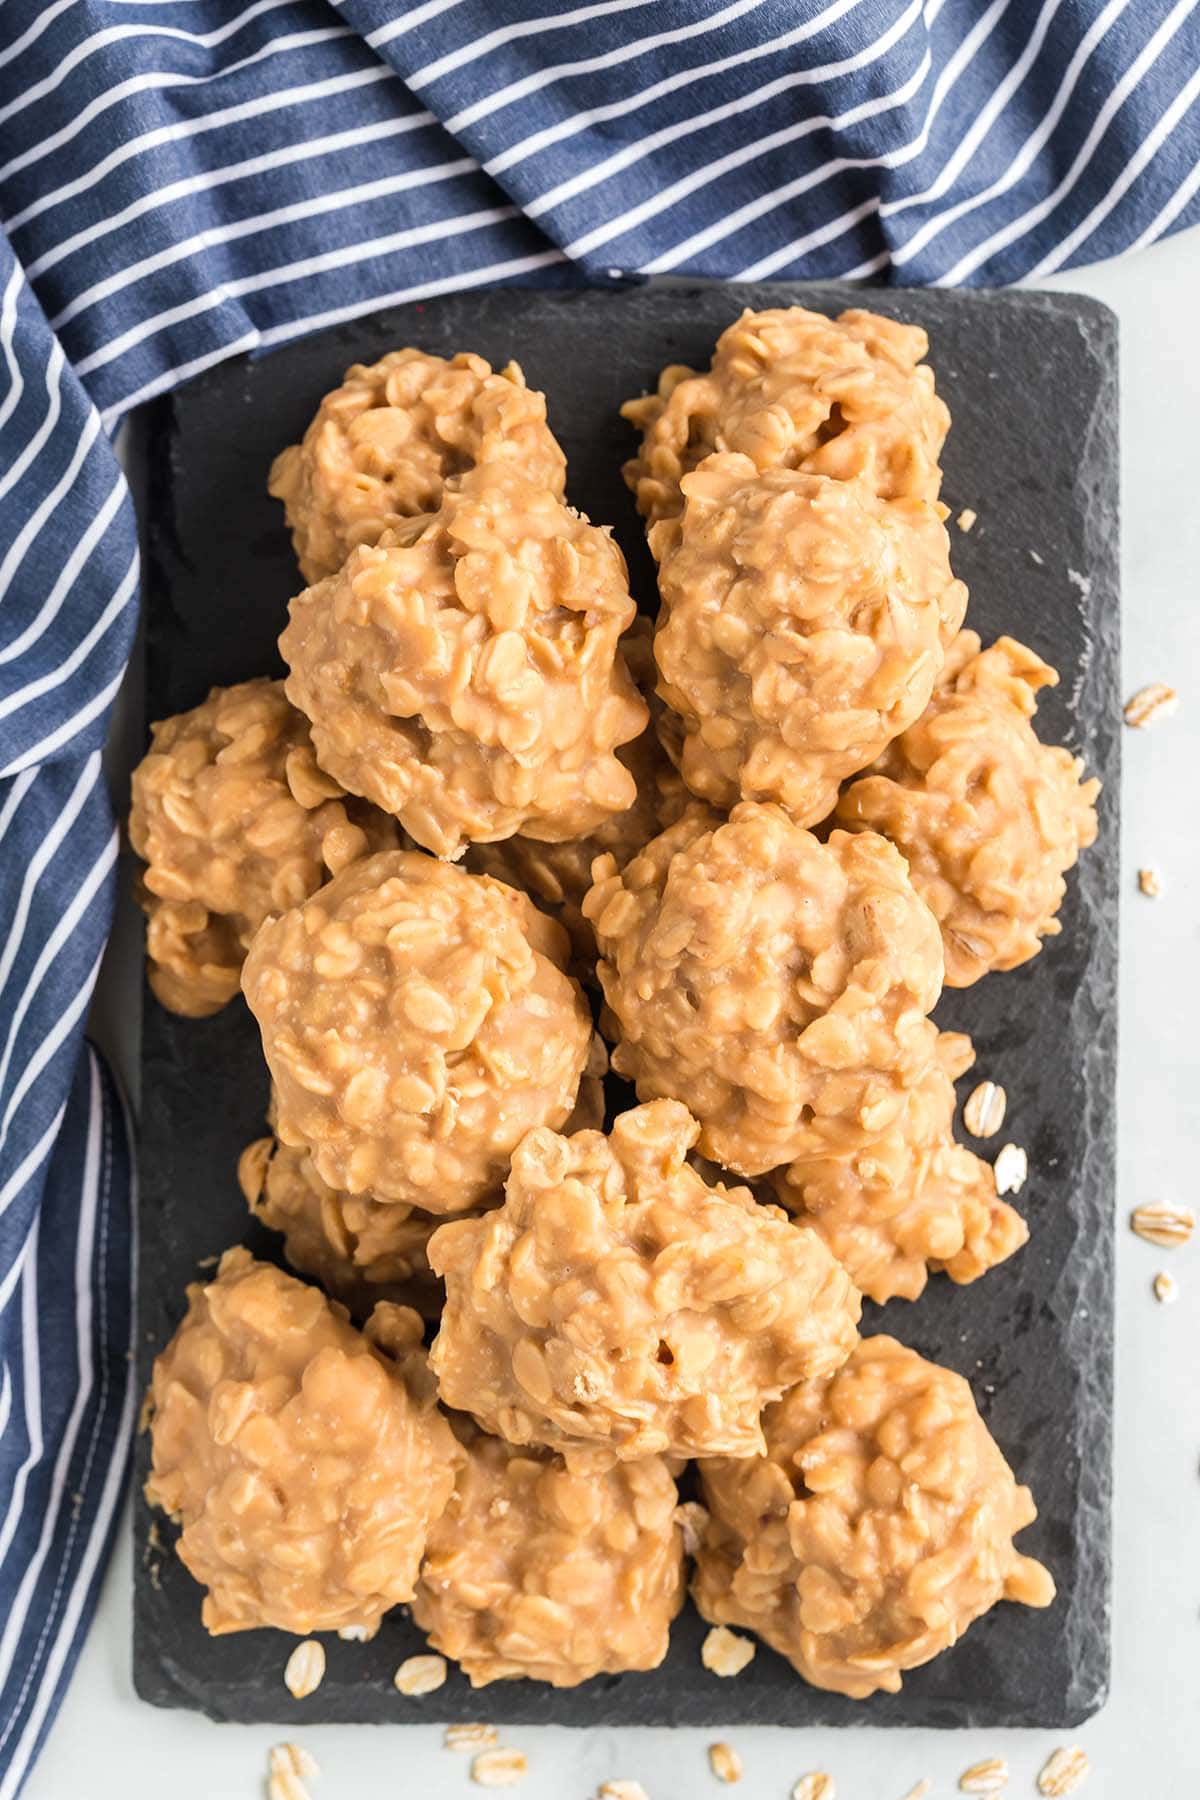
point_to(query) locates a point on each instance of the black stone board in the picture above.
(1031, 380)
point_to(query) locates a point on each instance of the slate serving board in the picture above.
(1031, 381)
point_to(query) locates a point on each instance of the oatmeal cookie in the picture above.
(848, 397)
(557, 876)
(417, 1022)
(764, 978)
(303, 1460)
(360, 1250)
(988, 817)
(618, 1300)
(801, 629)
(234, 821)
(465, 673)
(876, 1528)
(383, 445)
(550, 1572)
(909, 1200)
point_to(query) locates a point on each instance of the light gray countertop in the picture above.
(1145, 1741)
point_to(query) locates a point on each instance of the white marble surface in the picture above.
(1145, 1741)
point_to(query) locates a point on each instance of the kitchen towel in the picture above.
(183, 180)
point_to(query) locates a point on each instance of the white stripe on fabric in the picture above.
(825, 234)
(609, 59)
(20, 788)
(1036, 141)
(418, 15)
(669, 196)
(608, 166)
(61, 935)
(822, 234)
(35, 868)
(64, 733)
(8, 328)
(861, 271)
(6, 1393)
(306, 150)
(1145, 153)
(335, 200)
(157, 80)
(32, 32)
(299, 270)
(85, 1237)
(181, 372)
(261, 107)
(100, 40)
(31, 1387)
(50, 608)
(506, 34)
(421, 290)
(1033, 216)
(67, 1021)
(1174, 206)
(62, 671)
(754, 209)
(37, 518)
(952, 168)
(101, 1526)
(34, 444)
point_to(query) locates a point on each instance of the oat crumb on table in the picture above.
(1166, 1288)
(725, 1762)
(987, 1777)
(288, 1769)
(1164, 1223)
(499, 1768)
(1150, 882)
(816, 1786)
(470, 1737)
(966, 518)
(621, 1790)
(1064, 1772)
(1150, 705)
(919, 1789)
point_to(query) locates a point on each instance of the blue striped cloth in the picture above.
(182, 180)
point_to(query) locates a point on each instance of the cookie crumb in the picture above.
(419, 1675)
(305, 1670)
(1150, 882)
(691, 1519)
(984, 1109)
(966, 518)
(1011, 1169)
(724, 1653)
